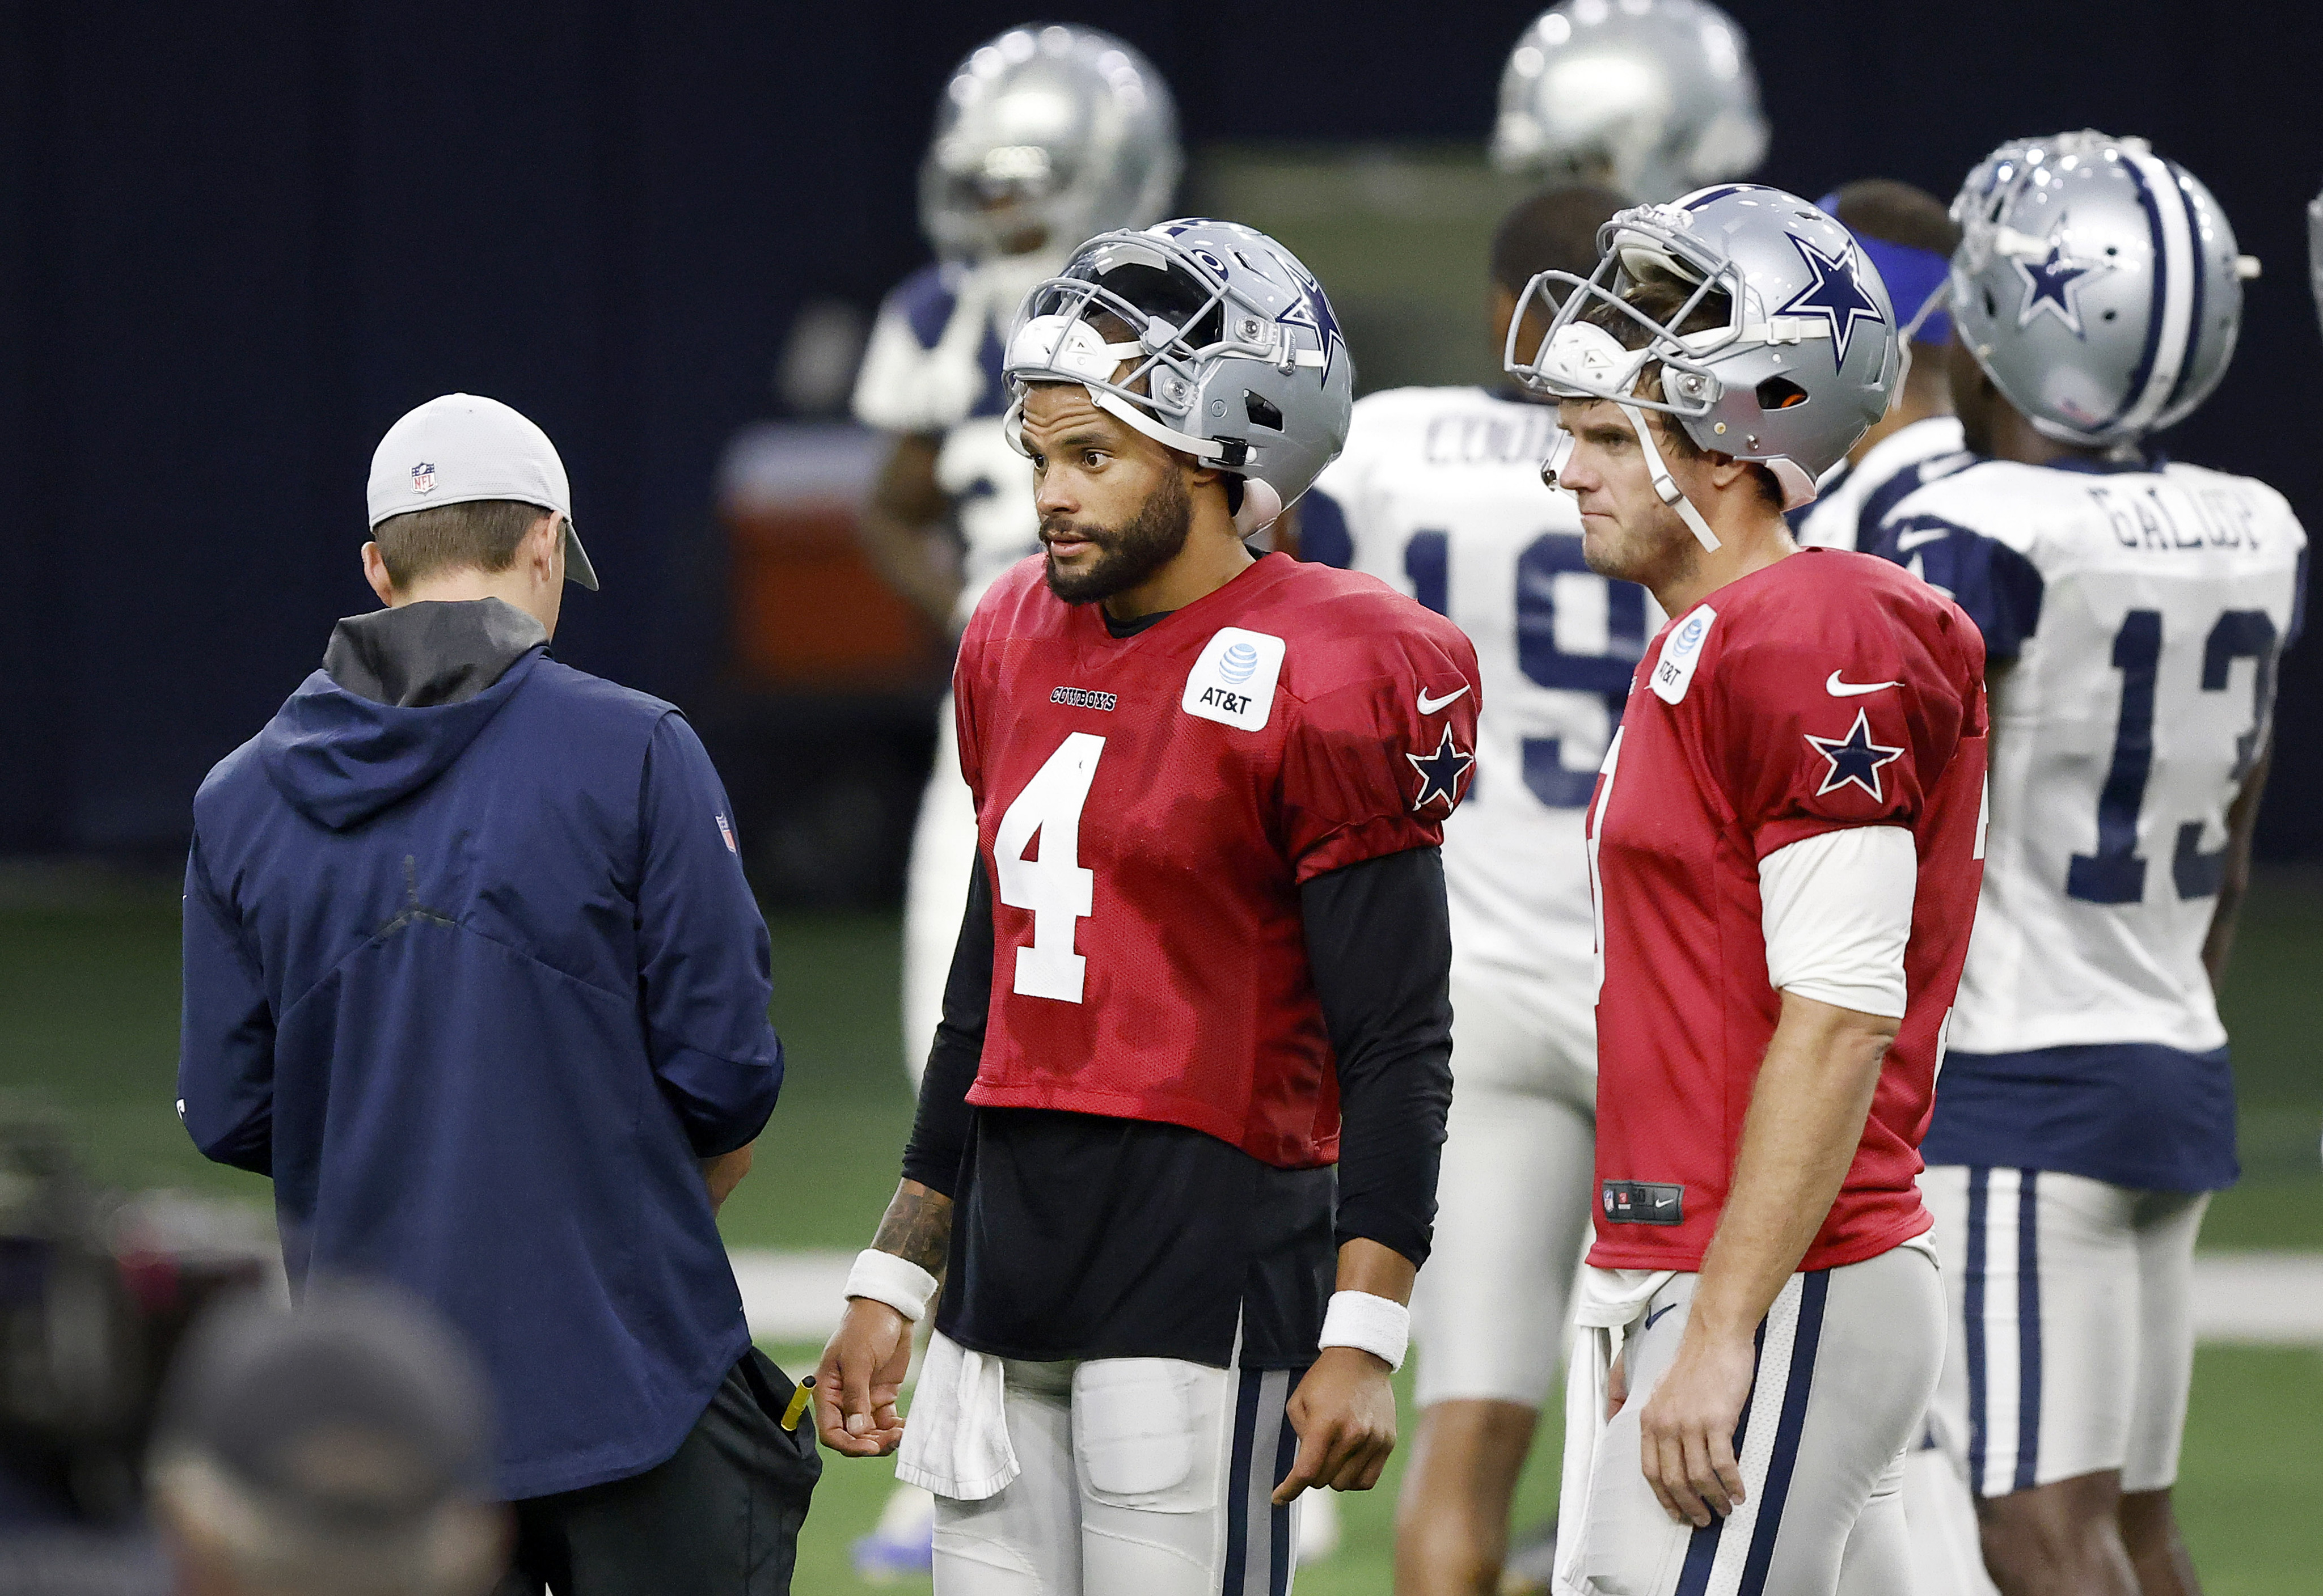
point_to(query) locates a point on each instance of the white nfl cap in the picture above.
(464, 448)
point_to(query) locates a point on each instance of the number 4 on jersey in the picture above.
(1054, 886)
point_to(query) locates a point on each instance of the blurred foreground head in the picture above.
(341, 1449)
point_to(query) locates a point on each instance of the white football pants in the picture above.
(2073, 1327)
(1847, 1360)
(1489, 1314)
(1143, 1475)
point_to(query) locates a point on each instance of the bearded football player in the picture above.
(1205, 961)
(1787, 843)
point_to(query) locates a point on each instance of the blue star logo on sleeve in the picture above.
(2052, 283)
(1834, 295)
(1855, 759)
(1441, 774)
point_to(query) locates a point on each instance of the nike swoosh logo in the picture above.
(1912, 540)
(1652, 1317)
(1838, 688)
(1428, 706)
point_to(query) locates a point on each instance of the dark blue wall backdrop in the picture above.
(237, 240)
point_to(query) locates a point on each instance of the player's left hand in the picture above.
(1687, 1429)
(1344, 1414)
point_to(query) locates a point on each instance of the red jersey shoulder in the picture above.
(1838, 601)
(1837, 689)
(1381, 735)
(1348, 627)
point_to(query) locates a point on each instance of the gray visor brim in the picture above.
(577, 567)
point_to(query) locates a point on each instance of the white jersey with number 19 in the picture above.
(1438, 493)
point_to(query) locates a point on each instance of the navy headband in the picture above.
(1911, 276)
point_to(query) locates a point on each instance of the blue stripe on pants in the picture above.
(1237, 1491)
(1701, 1548)
(1787, 1429)
(1286, 1453)
(2028, 1330)
(1972, 1316)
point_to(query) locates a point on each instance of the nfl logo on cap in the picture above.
(423, 477)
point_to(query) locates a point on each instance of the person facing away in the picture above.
(472, 971)
(2134, 610)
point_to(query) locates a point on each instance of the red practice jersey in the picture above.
(1828, 690)
(1148, 808)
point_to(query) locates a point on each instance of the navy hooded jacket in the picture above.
(478, 983)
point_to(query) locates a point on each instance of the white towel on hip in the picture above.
(1608, 1302)
(956, 1437)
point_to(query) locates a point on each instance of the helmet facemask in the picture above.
(1579, 358)
(1762, 290)
(1182, 313)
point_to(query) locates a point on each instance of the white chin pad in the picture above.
(1261, 504)
(1069, 347)
(1585, 356)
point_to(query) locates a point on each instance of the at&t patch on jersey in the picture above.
(1233, 682)
(1673, 671)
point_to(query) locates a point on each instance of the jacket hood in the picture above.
(340, 756)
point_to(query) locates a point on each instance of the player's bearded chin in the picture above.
(1129, 555)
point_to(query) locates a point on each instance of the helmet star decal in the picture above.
(1834, 295)
(1441, 774)
(2051, 283)
(1312, 311)
(1855, 759)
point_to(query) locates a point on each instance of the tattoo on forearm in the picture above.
(917, 1228)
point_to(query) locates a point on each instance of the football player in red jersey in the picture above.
(1786, 844)
(1205, 960)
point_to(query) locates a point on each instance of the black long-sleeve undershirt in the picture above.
(1379, 945)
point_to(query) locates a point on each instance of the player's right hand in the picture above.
(860, 1378)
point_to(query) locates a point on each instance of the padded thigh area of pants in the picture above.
(1134, 1430)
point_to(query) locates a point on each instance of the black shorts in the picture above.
(719, 1518)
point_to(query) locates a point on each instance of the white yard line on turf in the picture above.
(2240, 1298)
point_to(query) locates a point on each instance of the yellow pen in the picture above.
(799, 1400)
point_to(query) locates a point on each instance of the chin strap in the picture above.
(1665, 485)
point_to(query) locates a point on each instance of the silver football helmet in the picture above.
(1061, 129)
(1803, 365)
(2097, 284)
(1221, 345)
(1654, 97)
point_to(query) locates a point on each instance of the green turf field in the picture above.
(88, 1028)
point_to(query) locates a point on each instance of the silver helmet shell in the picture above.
(1657, 97)
(1061, 131)
(2097, 284)
(1805, 363)
(1232, 353)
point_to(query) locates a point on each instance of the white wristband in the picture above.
(1373, 1324)
(898, 1282)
